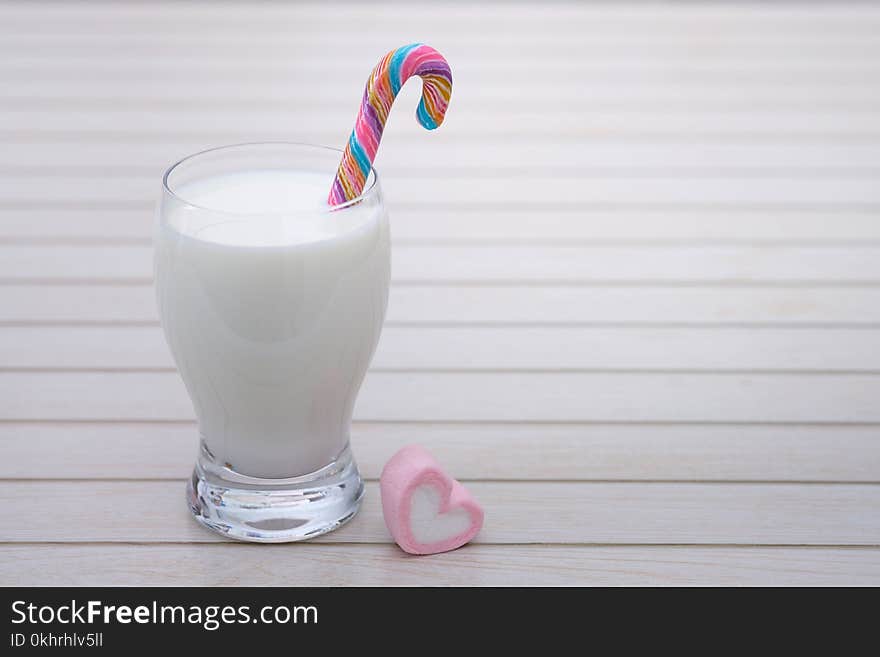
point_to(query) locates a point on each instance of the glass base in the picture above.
(274, 510)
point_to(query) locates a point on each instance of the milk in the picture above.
(272, 307)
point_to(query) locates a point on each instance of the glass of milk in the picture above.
(272, 304)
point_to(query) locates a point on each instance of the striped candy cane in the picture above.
(392, 71)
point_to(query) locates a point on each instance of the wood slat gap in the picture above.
(743, 283)
(492, 480)
(539, 134)
(458, 423)
(316, 544)
(440, 172)
(474, 422)
(697, 243)
(866, 326)
(709, 371)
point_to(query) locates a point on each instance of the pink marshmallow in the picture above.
(425, 509)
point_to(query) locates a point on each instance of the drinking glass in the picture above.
(271, 303)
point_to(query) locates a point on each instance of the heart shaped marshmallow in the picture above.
(425, 509)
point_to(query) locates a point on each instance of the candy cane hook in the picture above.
(383, 85)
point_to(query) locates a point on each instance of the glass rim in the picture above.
(369, 189)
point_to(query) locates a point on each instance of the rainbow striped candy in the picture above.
(384, 83)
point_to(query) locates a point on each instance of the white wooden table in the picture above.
(636, 298)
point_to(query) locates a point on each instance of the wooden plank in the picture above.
(425, 223)
(632, 264)
(491, 94)
(500, 451)
(617, 48)
(563, 190)
(646, 15)
(681, 20)
(346, 71)
(535, 512)
(475, 565)
(352, 44)
(491, 348)
(472, 120)
(403, 154)
(482, 397)
(509, 264)
(34, 61)
(498, 305)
